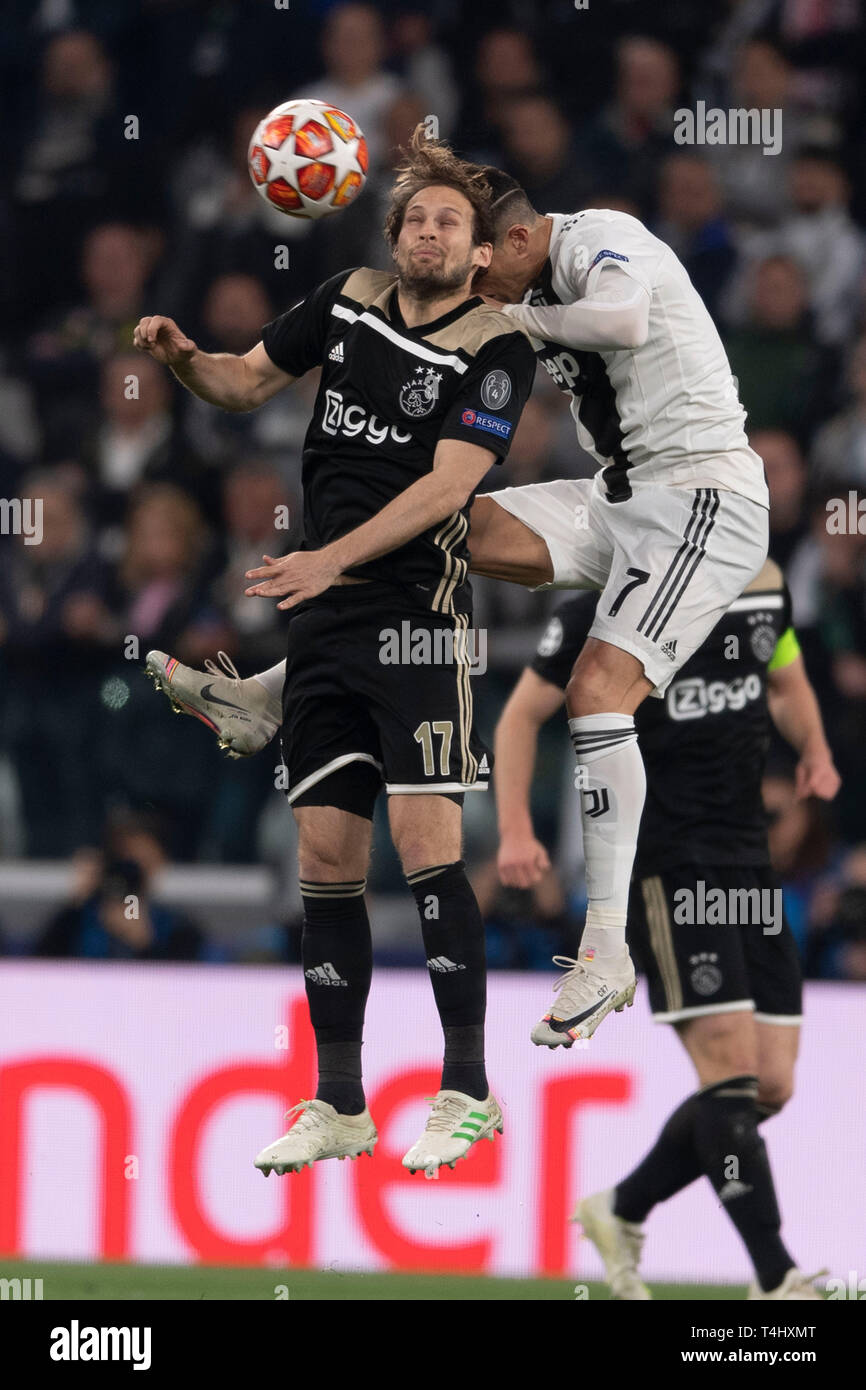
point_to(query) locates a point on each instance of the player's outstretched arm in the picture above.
(795, 713)
(220, 378)
(522, 859)
(615, 315)
(458, 468)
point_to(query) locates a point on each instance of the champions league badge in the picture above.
(420, 395)
(496, 389)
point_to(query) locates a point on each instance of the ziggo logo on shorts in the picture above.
(693, 698)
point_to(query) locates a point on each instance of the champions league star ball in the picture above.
(308, 159)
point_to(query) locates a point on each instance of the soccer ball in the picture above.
(308, 159)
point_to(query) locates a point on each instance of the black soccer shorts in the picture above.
(715, 940)
(378, 693)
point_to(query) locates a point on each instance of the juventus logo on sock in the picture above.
(597, 802)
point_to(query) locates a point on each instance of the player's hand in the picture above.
(522, 861)
(162, 338)
(817, 776)
(299, 576)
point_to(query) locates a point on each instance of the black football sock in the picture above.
(671, 1164)
(453, 935)
(337, 954)
(734, 1157)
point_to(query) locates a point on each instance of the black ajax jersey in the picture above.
(387, 395)
(705, 743)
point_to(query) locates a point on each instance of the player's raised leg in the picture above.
(333, 851)
(427, 833)
(504, 547)
(605, 689)
(244, 714)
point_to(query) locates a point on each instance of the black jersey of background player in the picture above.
(387, 394)
(704, 744)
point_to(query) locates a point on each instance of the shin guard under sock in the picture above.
(337, 954)
(453, 934)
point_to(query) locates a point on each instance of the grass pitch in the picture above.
(222, 1283)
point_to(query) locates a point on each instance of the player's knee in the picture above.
(419, 851)
(589, 687)
(774, 1092)
(320, 859)
(425, 830)
(721, 1045)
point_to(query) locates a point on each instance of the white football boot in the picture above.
(455, 1123)
(318, 1132)
(795, 1287)
(242, 713)
(618, 1242)
(586, 993)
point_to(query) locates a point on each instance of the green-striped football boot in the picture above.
(456, 1123)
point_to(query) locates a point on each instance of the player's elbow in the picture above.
(251, 387)
(519, 723)
(454, 497)
(632, 326)
(248, 396)
(635, 331)
(635, 339)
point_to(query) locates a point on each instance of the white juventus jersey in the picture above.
(667, 412)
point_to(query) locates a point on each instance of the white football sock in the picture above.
(273, 679)
(612, 785)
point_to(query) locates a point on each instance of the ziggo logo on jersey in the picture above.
(694, 697)
(352, 420)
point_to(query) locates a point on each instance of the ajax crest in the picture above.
(420, 395)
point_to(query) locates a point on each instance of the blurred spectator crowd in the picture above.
(125, 192)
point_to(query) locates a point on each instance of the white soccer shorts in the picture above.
(668, 560)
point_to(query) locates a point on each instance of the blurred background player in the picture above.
(730, 982)
(422, 385)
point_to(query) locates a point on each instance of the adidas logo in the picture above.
(336, 353)
(325, 975)
(484, 765)
(670, 649)
(443, 965)
(733, 1189)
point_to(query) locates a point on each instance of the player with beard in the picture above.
(671, 529)
(422, 386)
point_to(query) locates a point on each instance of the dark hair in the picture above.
(509, 201)
(428, 162)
